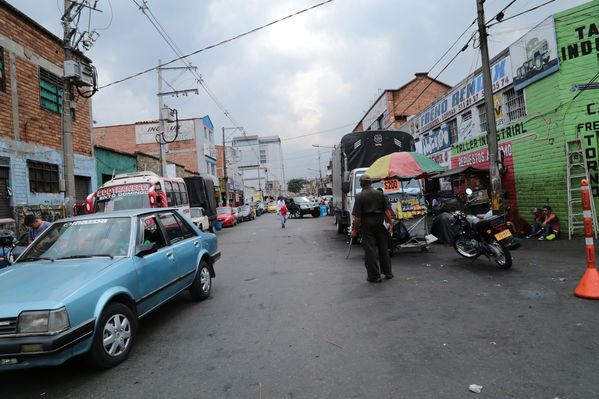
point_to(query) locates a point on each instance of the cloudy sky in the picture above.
(312, 75)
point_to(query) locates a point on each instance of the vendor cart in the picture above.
(411, 230)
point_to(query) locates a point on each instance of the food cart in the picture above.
(399, 175)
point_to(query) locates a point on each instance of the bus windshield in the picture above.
(119, 198)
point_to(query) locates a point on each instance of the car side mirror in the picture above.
(145, 249)
(345, 187)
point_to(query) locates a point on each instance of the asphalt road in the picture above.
(290, 317)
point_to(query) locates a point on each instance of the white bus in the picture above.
(139, 190)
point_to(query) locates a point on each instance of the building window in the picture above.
(262, 154)
(453, 131)
(482, 117)
(43, 177)
(50, 91)
(514, 104)
(2, 73)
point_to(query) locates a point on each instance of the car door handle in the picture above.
(196, 243)
(169, 253)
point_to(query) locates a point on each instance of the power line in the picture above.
(315, 133)
(173, 45)
(523, 12)
(217, 44)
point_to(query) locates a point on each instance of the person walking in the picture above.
(283, 213)
(370, 210)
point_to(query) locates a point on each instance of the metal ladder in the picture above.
(577, 170)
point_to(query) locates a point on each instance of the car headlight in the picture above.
(43, 321)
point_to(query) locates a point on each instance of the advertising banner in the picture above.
(534, 55)
(146, 133)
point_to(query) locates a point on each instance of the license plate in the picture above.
(503, 235)
(311, 209)
(390, 185)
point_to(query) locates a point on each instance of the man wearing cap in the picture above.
(370, 210)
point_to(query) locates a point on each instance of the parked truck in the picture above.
(351, 157)
(201, 194)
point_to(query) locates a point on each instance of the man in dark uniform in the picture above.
(370, 209)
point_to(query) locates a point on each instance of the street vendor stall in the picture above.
(394, 170)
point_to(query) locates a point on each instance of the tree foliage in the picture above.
(296, 185)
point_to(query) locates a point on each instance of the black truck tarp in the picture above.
(201, 193)
(363, 148)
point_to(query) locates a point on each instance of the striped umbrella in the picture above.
(404, 166)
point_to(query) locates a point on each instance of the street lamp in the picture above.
(225, 178)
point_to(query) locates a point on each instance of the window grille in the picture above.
(50, 91)
(514, 104)
(43, 177)
(482, 118)
(453, 131)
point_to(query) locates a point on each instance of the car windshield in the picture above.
(244, 208)
(301, 200)
(222, 211)
(84, 238)
(196, 213)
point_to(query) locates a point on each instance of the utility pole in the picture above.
(67, 121)
(225, 170)
(496, 196)
(162, 142)
(161, 124)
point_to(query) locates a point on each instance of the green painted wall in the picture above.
(556, 114)
(108, 162)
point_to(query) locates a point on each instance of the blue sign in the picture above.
(437, 140)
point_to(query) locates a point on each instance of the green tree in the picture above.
(296, 185)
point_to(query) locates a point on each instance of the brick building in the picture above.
(31, 152)
(393, 107)
(544, 95)
(193, 148)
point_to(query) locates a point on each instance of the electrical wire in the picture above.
(520, 13)
(217, 44)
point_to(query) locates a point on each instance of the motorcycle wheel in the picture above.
(501, 255)
(462, 246)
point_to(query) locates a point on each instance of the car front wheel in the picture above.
(114, 336)
(202, 284)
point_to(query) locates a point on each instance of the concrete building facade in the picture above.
(261, 161)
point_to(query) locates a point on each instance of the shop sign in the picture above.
(465, 95)
(437, 140)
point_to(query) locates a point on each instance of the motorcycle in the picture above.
(487, 237)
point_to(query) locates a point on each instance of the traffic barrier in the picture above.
(589, 284)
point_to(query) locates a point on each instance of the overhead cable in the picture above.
(217, 44)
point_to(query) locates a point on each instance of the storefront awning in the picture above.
(464, 171)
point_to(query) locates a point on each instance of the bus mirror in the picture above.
(345, 187)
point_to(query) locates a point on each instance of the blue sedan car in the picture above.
(81, 286)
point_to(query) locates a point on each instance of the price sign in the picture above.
(390, 185)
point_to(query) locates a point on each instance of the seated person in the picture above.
(549, 227)
(438, 204)
(536, 224)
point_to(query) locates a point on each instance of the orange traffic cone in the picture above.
(589, 284)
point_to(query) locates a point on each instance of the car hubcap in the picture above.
(205, 279)
(116, 335)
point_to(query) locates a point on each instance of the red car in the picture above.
(226, 216)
